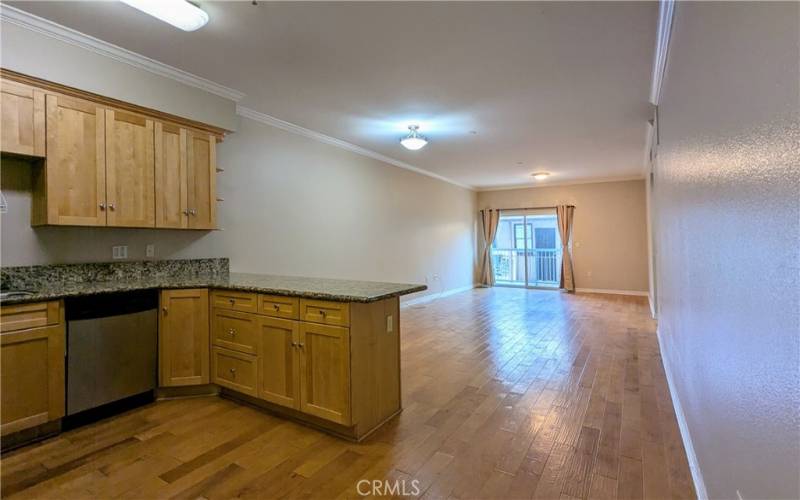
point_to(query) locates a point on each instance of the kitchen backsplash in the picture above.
(30, 277)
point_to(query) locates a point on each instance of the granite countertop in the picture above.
(312, 288)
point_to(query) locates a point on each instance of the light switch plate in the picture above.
(150, 250)
(389, 324)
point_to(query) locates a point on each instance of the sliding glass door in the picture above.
(527, 249)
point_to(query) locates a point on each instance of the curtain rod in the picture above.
(527, 208)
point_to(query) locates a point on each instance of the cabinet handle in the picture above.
(164, 309)
(102, 206)
(233, 371)
(276, 307)
(294, 344)
(185, 212)
(111, 206)
(322, 313)
(232, 301)
(300, 345)
(192, 212)
(232, 332)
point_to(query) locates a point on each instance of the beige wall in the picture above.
(610, 229)
(727, 206)
(44, 57)
(292, 206)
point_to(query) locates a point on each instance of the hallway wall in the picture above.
(727, 202)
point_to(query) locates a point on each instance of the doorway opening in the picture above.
(527, 249)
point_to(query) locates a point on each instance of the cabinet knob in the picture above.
(111, 206)
(322, 313)
(232, 332)
(185, 212)
(232, 301)
(192, 212)
(276, 307)
(102, 206)
(164, 309)
(233, 371)
(300, 345)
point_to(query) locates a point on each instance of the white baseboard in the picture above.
(652, 306)
(694, 467)
(434, 296)
(612, 292)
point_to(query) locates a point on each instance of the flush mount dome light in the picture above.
(179, 13)
(540, 176)
(413, 140)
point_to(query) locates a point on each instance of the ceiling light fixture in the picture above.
(540, 176)
(413, 140)
(179, 13)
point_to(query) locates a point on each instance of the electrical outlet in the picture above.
(150, 250)
(119, 252)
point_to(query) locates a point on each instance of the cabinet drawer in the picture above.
(235, 330)
(22, 316)
(325, 312)
(280, 307)
(237, 301)
(234, 370)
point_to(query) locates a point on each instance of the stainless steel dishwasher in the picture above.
(112, 348)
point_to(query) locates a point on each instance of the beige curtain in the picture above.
(564, 214)
(489, 218)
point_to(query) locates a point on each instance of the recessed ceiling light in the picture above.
(179, 13)
(413, 140)
(540, 176)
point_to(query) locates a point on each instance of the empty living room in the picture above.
(492, 250)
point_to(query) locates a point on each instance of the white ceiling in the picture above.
(561, 86)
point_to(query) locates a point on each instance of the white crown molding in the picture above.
(46, 27)
(318, 136)
(596, 180)
(666, 10)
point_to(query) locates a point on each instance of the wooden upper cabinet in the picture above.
(183, 338)
(201, 151)
(23, 119)
(172, 185)
(75, 178)
(130, 170)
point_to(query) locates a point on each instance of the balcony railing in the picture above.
(542, 266)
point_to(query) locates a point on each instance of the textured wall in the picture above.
(610, 229)
(727, 196)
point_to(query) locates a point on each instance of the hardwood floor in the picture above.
(507, 393)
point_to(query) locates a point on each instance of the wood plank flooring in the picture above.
(508, 394)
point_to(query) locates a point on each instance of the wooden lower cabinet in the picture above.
(279, 362)
(343, 377)
(32, 379)
(325, 372)
(183, 338)
(233, 370)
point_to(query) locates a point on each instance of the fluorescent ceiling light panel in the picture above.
(178, 13)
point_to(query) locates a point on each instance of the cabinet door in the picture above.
(183, 342)
(22, 111)
(130, 170)
(325, 372)
(32, 380)
(76, 163)
(201, 154)
(279, 362)
(171, 183)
